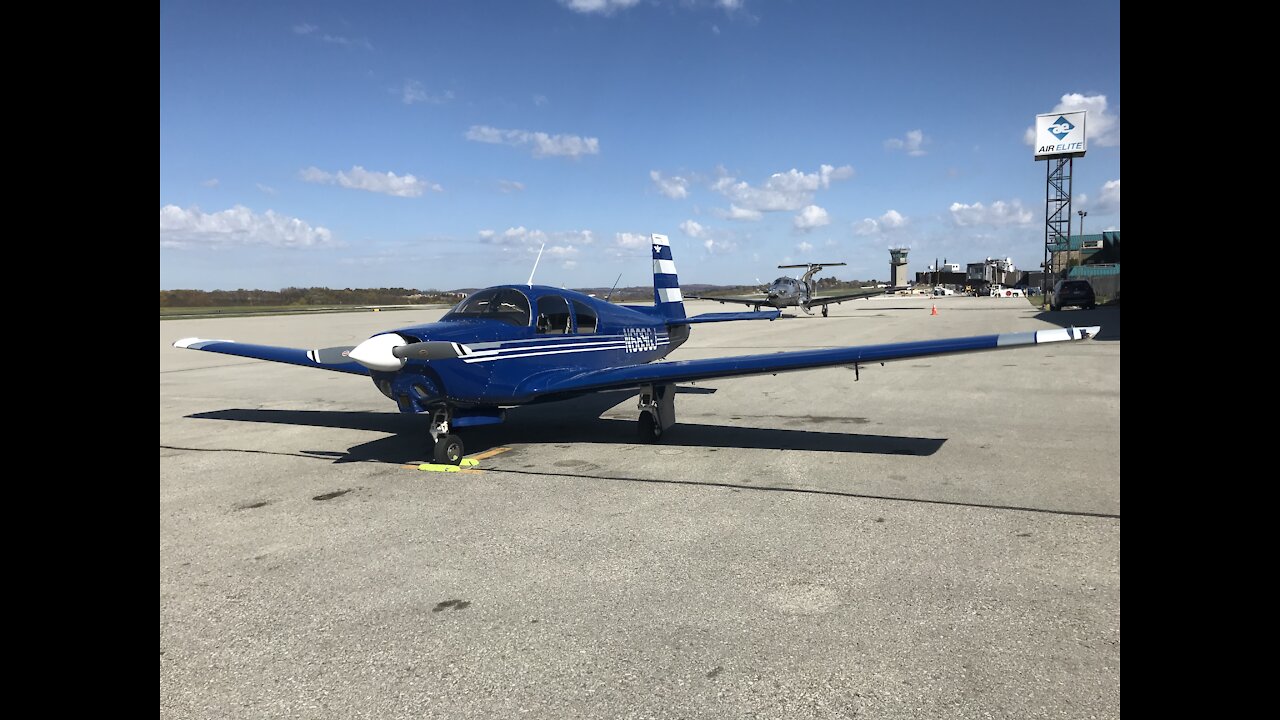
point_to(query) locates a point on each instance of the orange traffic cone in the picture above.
(935, 309)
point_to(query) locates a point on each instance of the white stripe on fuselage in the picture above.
(530, 352)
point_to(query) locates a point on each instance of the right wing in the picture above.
(549, 385)
(754, 302)
(320, 359)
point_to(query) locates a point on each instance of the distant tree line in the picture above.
(305, 296)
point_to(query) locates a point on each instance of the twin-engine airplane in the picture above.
(788, 292)
(518, 344)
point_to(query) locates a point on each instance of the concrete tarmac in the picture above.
(939, 538)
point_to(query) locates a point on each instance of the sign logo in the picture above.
(1061, 128)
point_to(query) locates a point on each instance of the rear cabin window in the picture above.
(586, 318)
(553, 315)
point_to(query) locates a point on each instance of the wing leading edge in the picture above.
(706, 369)
(829, 299)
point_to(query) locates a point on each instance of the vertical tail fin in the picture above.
(666, 286)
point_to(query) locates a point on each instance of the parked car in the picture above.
(1072, 292)
(943, 291)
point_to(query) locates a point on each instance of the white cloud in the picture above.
(811, 217)
(729, 4)
(360, 179)
(693, 229)
(267, 189)
(1000, 213)
(891, 220)
(736, 213)
(569, 264)
(210, 183)
(1101, 127)
(237, 226)
(912, 143)
(543, 144)
(804, 248)
(631, 240)
(540, 100)
(719, 247)
(510, 186)
(791, 190)
(599, 7)
(521, 239)
(1110, 199)
(413, 92)
(304, 28)
(674, 187)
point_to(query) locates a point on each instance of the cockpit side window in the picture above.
(505, 304)
(586, 318)
(553, 315)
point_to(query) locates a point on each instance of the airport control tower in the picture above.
(898, 267)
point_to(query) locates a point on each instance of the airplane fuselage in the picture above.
(787, 292)
(524, 333)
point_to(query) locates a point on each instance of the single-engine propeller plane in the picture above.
(790, 292)
(513, 345)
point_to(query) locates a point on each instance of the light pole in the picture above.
(1082, 213)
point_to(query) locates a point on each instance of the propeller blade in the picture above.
(430, 350)
(331, 355)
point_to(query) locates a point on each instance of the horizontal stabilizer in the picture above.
(726, 317)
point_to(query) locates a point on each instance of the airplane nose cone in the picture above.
(375, 353)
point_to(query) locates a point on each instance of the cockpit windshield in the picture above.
(505, 304)
(782, 281)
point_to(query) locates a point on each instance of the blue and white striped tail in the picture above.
(666, 286)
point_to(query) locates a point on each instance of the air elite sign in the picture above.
(1060, 135)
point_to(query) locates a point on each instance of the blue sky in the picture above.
(439, 144)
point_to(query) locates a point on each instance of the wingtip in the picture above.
(195, 343)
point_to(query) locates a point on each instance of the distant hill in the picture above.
(410, 296)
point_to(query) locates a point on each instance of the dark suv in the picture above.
(1072, 292)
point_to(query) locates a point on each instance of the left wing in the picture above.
(753, 302)
(830, 299)
(552, 384)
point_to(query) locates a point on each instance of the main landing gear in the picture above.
(824, 311)
(448, 448)
(657, 411)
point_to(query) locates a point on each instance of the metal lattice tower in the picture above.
(1057, 219)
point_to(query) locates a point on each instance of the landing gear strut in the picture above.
(657, 411)
(824, 311)
(448, 448)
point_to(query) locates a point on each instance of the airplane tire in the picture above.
(824, 311)
(650, 431)
(449, 450)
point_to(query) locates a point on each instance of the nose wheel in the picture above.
(448, 448)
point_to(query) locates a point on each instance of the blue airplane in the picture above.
(519, 344)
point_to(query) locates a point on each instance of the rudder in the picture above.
(666, 286)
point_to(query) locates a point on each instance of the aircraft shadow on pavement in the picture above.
(1107, 316)
(567, 421)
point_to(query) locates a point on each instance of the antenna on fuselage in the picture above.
(535, 264)
(615, 287)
